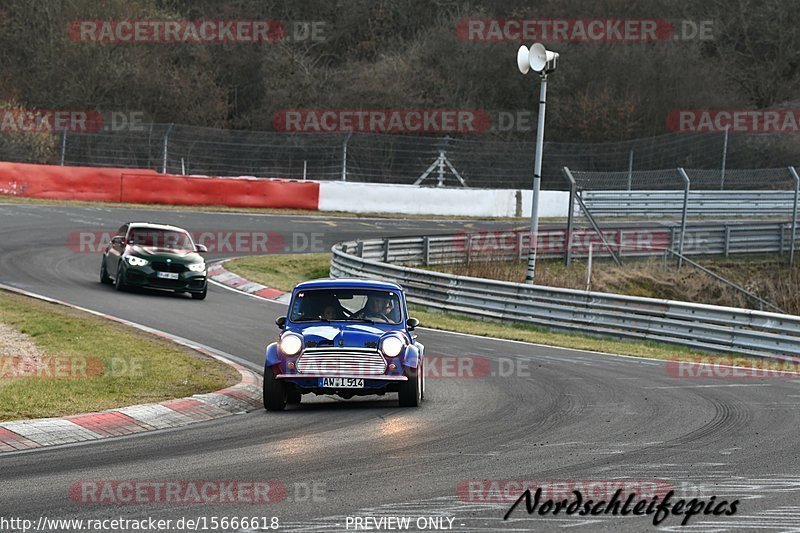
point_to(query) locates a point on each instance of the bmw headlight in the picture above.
(197, 267)
(392, 346)
(136, 261)
(291, 344)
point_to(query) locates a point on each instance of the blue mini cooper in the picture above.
(346, 337)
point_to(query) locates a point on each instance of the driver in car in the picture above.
(377, 308)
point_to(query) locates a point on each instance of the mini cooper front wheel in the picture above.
(275, 395)
(410, 392)
(293, 396)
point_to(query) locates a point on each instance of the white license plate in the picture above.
(342, 383)
(168, 275)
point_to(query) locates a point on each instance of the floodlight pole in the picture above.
(537, 182)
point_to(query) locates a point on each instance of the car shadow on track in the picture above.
(327, 403)
(165, 293)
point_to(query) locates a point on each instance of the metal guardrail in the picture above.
(701, 203)
(712, 239)
(719, 329)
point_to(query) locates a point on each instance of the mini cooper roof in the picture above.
(349, 283)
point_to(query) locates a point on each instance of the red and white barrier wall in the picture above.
(412, 200)
(150, 187)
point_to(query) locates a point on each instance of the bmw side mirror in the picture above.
(412, 323)
(201, 248)
(280, 322)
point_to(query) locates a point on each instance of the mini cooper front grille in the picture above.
(162, 266)
(341, 361)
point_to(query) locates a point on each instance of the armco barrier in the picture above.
(719, 239)
(147, 186)
(719, 329)
(701, 203)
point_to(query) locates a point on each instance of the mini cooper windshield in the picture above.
(162, 239)
(329, 305)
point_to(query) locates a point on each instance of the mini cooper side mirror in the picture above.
(412, 323)
(201, 248)
(280, 322)
(118, 240)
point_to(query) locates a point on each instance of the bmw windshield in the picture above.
(161, 239)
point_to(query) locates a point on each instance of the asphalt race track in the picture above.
(560, 415)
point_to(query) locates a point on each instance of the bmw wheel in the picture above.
(200, 295)
(119, 281)
(104, 277)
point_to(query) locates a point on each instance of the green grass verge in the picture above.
(285, 271)
(101, 364)
(281, 271)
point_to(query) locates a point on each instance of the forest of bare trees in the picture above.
(402, 54)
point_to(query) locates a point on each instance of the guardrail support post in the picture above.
(468, 239)
(686, 186)
(570, 217)
(793, 172)
(727, 240)
(386, 250)
(164, 151)
(361, 249)
(344, 155)
(63, 146)
(426, 250)
(783, 237)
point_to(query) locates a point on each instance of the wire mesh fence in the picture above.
(386, 158)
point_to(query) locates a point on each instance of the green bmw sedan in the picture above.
(155, 256)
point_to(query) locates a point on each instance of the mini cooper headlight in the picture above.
(392, 346)
(197, 267)
(136, 261)
(291, 344)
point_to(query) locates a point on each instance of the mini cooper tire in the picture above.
(275, 395)
(293, 396)
(410, 391)
(105, 279)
